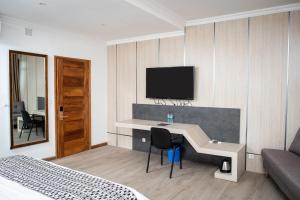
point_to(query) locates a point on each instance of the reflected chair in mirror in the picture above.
(162, 139)
(30, 123)
(17, 108)
(40, 122)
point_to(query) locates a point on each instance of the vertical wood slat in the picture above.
(171, 51)
(231, 68)
(126, 83)
(267, 82)
(200, 53)
(111, 88)
(147, 56)
(293, 113)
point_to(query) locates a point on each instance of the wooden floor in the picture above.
(194, 181)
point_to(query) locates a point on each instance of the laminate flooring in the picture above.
(194, 182)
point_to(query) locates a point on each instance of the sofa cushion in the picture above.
(284, 168)
(295, 146)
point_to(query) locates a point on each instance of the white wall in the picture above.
(51, 42)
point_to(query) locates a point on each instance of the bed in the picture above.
(23, 177)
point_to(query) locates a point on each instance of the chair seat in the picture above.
(177, 140)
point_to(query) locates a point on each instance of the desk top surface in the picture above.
(150, 123)
(190, 131)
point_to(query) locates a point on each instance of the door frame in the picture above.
(57, 139)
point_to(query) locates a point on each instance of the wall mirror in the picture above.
(28, 98)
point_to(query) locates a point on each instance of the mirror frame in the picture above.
(12, 146)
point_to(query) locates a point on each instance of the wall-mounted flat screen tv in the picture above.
(170, 83)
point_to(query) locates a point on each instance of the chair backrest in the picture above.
(18, 107)
(161, 138)
(26, 118)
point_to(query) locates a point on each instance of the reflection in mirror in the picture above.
(28, 93)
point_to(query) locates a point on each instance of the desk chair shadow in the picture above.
(162, 139)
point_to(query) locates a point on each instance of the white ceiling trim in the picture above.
(240, 15)
(160, 11)
(146, 37)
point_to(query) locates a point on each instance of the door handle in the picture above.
(61, 112)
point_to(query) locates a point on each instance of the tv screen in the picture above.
(170, 83)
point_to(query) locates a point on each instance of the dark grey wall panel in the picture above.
(218, 123)
(222, 124)
(188, 152)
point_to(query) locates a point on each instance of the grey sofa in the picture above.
(284, 168)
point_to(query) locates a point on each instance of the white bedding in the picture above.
(10, 190)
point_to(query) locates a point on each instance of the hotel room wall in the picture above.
(267, 83)
(231, 68)
(293, 112)
(111, 94)
(239, 64)
(171, 51)
(126, 89)
(52, 42)
(147, 56)
(199, 52)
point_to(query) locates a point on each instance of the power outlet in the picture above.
(251, 156)
(143, 139)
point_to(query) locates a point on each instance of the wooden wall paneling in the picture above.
(199, 47)
(125, 141)
(171, 51)
(111, 88)
(112, 139)
(126, 84)
(231, 68)
(293, 117)
(147, 56)
(254, 163)
(267, 82)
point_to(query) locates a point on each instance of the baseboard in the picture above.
(50, 158)
(98, 145)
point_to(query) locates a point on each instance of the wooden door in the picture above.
(72, 105)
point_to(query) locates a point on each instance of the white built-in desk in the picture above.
(200, 142)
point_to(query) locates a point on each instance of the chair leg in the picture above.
(180, 157)
(36, 129)
(173, 158)
(21, 131)
(149, 153)
(161, 157)
(30, 132)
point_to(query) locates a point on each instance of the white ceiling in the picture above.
(121, 19)
(116, 19)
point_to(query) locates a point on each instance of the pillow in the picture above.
(295, 146)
